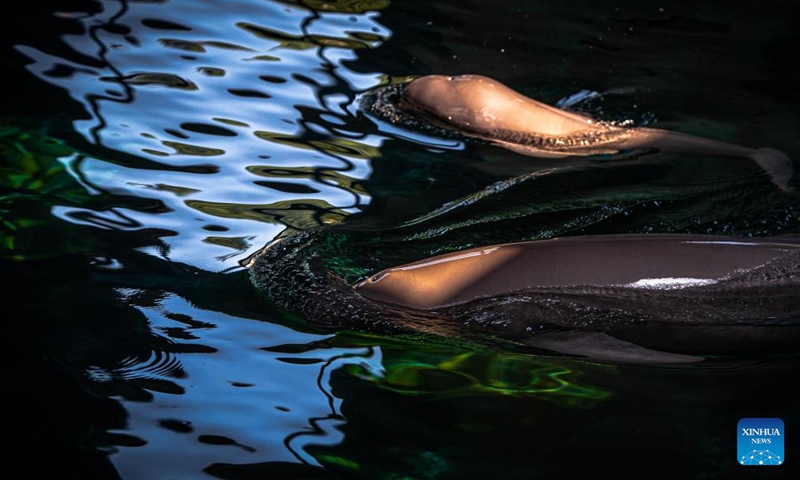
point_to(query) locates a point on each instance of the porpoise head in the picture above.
(465, 102)
(485, 108)
(442, 280)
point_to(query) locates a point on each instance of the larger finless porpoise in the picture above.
(629, 298)
(484, 108)
(634, 298)
(625, 261)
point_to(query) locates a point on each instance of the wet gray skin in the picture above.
(483, 108)
(629, 261)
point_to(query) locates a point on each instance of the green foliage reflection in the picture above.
(32, 180)
(444, 373)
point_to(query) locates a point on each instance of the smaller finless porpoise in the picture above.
(483, 108)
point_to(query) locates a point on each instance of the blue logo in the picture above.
(760, 442)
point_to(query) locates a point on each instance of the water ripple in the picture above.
(106, 359)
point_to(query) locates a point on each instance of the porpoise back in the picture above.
(483, 108)
(635, 261)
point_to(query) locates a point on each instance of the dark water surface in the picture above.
(149, 149)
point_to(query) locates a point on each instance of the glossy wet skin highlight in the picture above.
(631, 261)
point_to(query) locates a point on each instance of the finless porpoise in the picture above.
(481, 107)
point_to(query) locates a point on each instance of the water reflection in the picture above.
(202, 142)
(255, 398)
(226, 96)
(448, 374)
